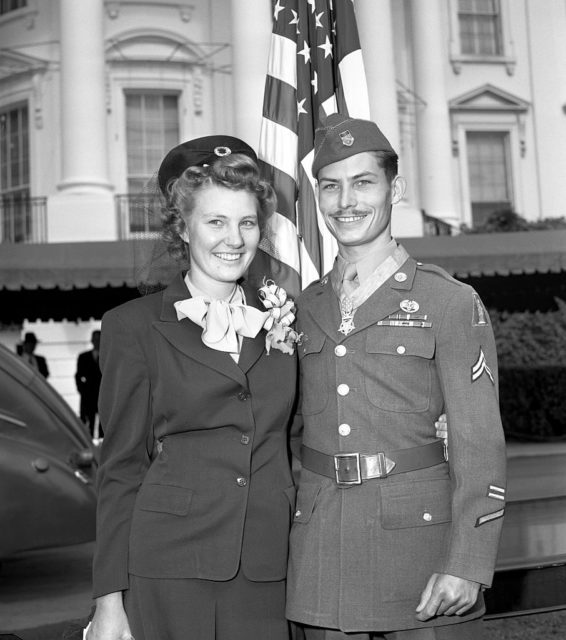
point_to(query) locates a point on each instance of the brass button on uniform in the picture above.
(245, 439)
(340, 350)
(241, 481)
(344, 429)
(343, 389)
(400, 277)
(401, 349)
(427, 516)
(298, 513)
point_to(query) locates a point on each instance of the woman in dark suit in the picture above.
(195, 489)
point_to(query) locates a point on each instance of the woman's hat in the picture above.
(199, 153)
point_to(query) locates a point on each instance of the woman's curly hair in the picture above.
(236, 171)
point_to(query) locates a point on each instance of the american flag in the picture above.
(315, 68)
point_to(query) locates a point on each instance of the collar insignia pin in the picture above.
(409, 306)
(347, 138)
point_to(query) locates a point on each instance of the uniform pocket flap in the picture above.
(165, 499)
(306, 499)
(310, 344)
(416, 504)
(401, 342)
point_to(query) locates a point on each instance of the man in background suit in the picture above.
(26, 350)
(87, 378)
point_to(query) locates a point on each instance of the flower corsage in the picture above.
(280, 334)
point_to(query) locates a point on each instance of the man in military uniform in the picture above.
(390, 540)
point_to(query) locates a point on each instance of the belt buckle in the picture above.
(347, 469)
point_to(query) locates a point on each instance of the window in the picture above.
(11, 5)
(152, 128)
(480, 27)
(488, 167)
(15, 204)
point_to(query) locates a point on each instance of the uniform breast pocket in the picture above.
(399, 366)
(314, 377)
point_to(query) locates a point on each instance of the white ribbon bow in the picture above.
(222, 321)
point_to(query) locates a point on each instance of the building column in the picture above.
(84, 208)
(375, 29)
(251, 37)
(433, 119)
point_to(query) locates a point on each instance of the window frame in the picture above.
(507, 57)
(506, 139)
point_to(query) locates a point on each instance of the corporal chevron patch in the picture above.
(489, 517)
(480, 367)
(496, 492)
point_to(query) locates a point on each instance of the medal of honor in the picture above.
(347, 313)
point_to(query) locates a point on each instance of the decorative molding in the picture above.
(489, 102)
(113, 8)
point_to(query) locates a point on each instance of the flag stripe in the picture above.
(281, 51)
(286, 190)
(280, 103)
(275, 143)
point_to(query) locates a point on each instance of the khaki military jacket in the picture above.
(422, 345)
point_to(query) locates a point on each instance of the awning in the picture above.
(68, 265)
(491, 254)
(113, 264)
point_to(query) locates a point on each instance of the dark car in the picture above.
(47, 464)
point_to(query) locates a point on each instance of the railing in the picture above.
(135, 216)
(23, 219)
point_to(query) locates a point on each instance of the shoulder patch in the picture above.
(479, 314)
(433, 268)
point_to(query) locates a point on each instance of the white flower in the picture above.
(280, 334)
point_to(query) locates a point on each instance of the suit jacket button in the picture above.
(427, 516)
(241, 482)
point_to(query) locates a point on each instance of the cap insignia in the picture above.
(222, 151)
(347, 138)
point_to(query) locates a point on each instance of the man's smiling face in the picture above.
(355, 200)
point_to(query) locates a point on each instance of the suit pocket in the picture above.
(163, 498)
(314, 393)
(306, 499)
(416, 504)
(399, 362)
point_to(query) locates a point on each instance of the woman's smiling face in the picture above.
(223, 235)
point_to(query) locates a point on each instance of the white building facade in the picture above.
(472, 93)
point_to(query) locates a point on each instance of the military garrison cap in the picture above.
(342, 137)
(198, 153)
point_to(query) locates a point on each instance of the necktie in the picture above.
(222, 321)
(349, 283)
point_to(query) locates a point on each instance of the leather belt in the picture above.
(352, 468)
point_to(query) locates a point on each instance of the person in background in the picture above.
(390, 538)
(87, 378)
(27, 351)
(195, 491)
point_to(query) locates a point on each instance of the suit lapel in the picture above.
(324, 308)
(185, 336)
(252, 348)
